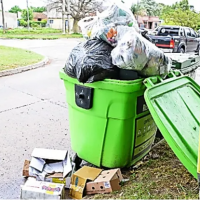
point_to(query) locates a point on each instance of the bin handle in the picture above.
(155, 80)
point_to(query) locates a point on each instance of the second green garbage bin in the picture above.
(110, 124)
(186, 63)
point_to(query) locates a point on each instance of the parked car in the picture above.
(176, 39)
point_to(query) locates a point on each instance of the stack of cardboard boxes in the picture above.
(51, 172)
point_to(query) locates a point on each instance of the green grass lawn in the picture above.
(38, 33)
(40, 36)
(161, 178)
(11, 58)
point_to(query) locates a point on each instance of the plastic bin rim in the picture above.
(64, 76)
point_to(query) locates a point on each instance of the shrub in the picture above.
(23, 23)
(43, 23)
(34, 24)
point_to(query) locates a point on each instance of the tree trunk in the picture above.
(63, 17)
(3, 17)
(75, 26)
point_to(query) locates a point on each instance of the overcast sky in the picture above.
(22, 3)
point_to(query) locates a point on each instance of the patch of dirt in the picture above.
(160, 175)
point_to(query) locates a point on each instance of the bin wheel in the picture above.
(77, 161)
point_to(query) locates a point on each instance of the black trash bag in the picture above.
(91, 61)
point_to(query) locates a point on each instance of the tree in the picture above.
(78, 9)
(182, 18)
(182, 5)
(38, 9)
(138, 10)
(3, 16)
(148, 7)
(165, 10)
(176, 7)
(15, 9)
(25, 15)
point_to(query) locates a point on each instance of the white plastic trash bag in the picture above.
(134, 52)
(86, 24)
(105, 25)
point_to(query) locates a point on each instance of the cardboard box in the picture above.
(34, 189)
(79, 180)
(108, 181)
(54, 178)
(49, 161)
(26, 168)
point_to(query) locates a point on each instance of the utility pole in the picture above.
(28, 15)
(63, 17)
(3, 17)
(68, 15)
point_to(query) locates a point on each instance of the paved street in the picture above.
(33, 112)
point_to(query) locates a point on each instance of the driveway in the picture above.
(33, 111)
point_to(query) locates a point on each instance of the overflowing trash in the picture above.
(134, 52)
(114, 42)
(104, 26)
(91, 61)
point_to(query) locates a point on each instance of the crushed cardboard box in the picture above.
(25, 172)
(108, 181)
(79, 180)
(49, 161)
(90, 180)
(50, 166)
(34, 189)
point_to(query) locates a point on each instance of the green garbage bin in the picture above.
(186, 63)
(110, 124)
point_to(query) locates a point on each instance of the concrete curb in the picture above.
(25, 68)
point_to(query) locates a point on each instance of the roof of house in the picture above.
(37, 15)
(141, 19)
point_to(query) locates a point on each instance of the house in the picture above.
(38, 17)
(148, 22)
(54, 17)
(10, 20)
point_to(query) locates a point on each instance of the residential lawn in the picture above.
(25, 31)
(37, 33)
(161, 178)
(11, 58)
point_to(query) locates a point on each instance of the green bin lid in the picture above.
(175, 106)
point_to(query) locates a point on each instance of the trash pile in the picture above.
(91, 61)
(105, 26)
(51, 172)
(114, 42)
(137, 53)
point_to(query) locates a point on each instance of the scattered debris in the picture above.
(137, 165)
(34, 189)
(108, 181)
(50, 166)
(80, 178)
(90, 180)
